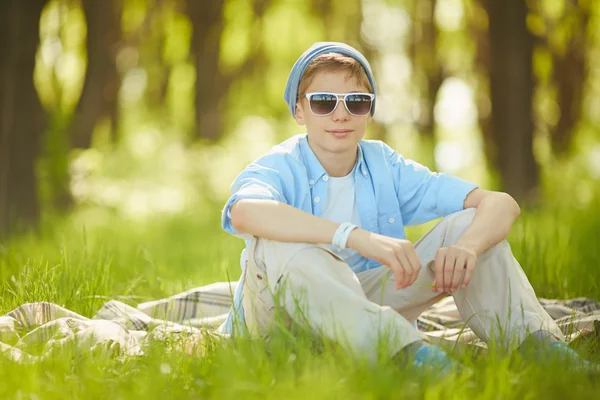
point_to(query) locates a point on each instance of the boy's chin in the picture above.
(336, 145)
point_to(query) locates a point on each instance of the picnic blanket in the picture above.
(34, 331)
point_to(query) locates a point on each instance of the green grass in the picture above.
(93, 256)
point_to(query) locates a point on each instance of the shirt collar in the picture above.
(314, 167)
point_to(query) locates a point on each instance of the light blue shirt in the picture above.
(391, 193)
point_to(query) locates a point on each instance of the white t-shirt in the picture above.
(340, 206)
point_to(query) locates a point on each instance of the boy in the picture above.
(323, 215)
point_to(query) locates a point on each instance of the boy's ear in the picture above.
(299, 114)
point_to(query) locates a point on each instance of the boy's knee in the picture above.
(457, 223)
(463, 217)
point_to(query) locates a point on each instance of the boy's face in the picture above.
(340, 131)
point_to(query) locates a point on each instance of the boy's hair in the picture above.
(334, 62)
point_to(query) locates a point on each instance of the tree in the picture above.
(99, 98)
(424, 54)
(22, 117)
(570, 72)
(207, 22)
(511, 93)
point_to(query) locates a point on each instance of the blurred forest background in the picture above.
(138, 108)
(124, 122)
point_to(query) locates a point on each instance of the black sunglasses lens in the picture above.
(359, 104)
(322, 104)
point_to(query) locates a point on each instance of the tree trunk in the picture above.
(482, 68)
(99, 97)
(22, 117)
(207, 22)
(511, 86)
(570, 75)
(424, 55)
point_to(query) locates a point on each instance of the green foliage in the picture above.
(147, 223)
(95, 255)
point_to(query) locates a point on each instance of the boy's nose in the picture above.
(340, 111)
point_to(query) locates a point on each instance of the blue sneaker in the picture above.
(572, 359)
(433, 360)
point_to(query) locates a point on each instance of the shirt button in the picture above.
(392, 220)
(325, 178)
(317, 199)
(364, 172)
(312, 181)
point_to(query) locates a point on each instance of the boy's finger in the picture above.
(398, 273)
(439, 265)
(460, 265)
(448, 270)
(399, 279)
(416, 266)
(406, 268)
(469, 272)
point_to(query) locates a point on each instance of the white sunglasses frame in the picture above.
(343, 98)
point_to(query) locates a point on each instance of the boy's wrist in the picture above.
(355, 238)
(476, 248)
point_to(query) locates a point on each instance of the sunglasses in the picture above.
(324, 103)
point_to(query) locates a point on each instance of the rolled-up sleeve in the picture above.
(424, 195)
(258, 181)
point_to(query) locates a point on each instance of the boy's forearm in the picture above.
(492, 223)
(279, 221)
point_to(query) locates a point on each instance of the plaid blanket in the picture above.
(35, 331)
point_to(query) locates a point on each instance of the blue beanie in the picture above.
(291, 88)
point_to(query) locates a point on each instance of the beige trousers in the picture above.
(365, 313)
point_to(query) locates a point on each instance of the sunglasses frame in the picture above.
(343, 98)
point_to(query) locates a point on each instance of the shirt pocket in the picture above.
(390, 224)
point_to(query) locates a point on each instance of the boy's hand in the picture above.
(451, 263)
(397, 254)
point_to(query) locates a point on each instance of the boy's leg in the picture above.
(499, 301)
(319, 290)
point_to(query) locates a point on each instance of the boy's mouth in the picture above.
(340, 132)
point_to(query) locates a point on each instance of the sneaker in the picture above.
(430, 360)
(572, 359)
